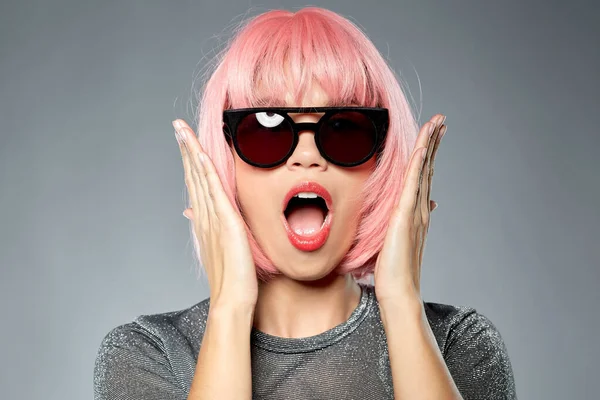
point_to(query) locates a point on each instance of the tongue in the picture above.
(305, 220)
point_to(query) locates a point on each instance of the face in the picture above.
(261, 193)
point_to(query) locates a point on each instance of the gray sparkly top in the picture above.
(154, 357)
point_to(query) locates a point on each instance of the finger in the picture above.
(434, 135)
(421, 142)
(199, 200)
(206, 176)
(194, 181)
(432, 145)
(428, 129)
(199, 212)
(189, 137)
(443, 129)
(222, 205)
(424, 164)
(187, 169)
(425, 133)
(206, 192)
(433, 204)
(425, 178)
(431, 165)
(422, 214)
(411, 182)
(218, 203)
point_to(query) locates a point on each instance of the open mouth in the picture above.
(306, 213)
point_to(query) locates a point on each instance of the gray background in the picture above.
(92, 191)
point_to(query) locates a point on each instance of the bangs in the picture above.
(282, 57)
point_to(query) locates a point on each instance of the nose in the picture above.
(306, 154)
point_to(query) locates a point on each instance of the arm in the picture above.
(132, 364)
(478, 359)
(418, 368)
(223, 369)
(223, 366)
(475, 362)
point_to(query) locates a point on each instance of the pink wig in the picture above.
(315, 44)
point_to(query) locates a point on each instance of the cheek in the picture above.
(351, 215)
(353, 196)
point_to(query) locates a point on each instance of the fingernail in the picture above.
(176, 124)
(185, 215)
(435, 205)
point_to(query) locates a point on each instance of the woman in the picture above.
(307, 176)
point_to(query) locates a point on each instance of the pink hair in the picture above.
(317, 44)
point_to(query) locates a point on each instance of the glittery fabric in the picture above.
(154, 357)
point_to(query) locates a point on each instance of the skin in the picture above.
(307, 298)
(326, 298)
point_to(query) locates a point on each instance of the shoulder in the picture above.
(444, 319)
(160, 327)
(452, 322)
(187, 323)
(473, 350)
(455, 323)
(162, 345)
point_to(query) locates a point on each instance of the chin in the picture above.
(299, 265)
(307, 267)
(303, 275)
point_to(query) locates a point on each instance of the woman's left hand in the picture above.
(398, 269)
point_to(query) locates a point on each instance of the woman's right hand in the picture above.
(224, 247)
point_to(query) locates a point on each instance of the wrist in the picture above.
(406, 307)
(231, 313)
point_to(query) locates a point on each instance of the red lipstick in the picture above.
(317, 240)
(308, 187)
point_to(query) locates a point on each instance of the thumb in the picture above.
(188, 213)
(432, 205)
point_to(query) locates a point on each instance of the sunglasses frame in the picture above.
(378, 116)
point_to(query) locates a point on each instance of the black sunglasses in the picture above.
(266, 137)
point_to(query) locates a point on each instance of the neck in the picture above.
(293, 309)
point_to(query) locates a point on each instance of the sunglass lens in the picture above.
(264, 137)
(348, 136)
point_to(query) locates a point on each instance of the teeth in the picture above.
(307, 195)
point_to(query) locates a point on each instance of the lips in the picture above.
(308, 186)
(317, 240)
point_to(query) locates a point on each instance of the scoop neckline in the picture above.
(310, 343)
